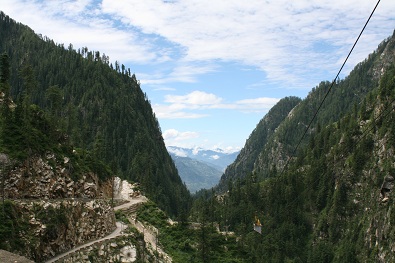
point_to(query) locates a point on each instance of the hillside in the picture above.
(334, 202)
(70, 121)
(100, 106)
(244, 163)
(273, 142)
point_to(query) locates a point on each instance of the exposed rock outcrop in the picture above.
(113, 250)
(58, 212)
(55, 226)
(6, 256)
(49, 178)
(386, 188)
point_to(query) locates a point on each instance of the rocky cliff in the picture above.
(48, 212)
(54, 226)
(49, 178)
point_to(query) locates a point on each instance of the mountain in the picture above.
(217, 157)
(276, 146)
(200, 168)
(328, 197)
(196, 174)
(99, 106)
(245, 160)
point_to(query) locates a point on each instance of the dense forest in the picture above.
(99, 106)
(328, 197)
(267, 152)
(322, 187)
(244, 162)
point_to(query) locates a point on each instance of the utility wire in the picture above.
(382, 115)
(330, 88)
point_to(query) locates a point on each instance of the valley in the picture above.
(86, 175)
(199, 168)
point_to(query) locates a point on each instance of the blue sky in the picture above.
(213, 68)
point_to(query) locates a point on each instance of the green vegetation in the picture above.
(78, 99)
(12, 223)
(327, 205)
(192, 242)
(121, 216)
(257, 140)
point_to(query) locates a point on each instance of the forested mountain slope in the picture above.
(244, 163)
(343, 96)
(99, 105)
(335, 201)
(266, 153)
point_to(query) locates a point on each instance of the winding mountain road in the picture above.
(117, 232)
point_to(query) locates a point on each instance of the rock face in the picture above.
(49, 178)
(386, 187)
(58, 212)
(59, 225)
(122, 249)
(6, 256)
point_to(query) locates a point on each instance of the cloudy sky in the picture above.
(213, 68)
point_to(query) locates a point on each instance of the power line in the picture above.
(330, 88)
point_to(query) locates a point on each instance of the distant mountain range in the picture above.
(200, 168)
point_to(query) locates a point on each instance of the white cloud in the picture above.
(178, 152)
(82, 24)
(186, 72)
(184, 139)
(194, 98)
(215, 157)
(278, 37)
(196, 150)
(282, 38)
(256, 105)
(187, 106)
(231, 149)
(175, 111)
(174, 135)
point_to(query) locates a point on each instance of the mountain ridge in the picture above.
(326, 198)
(100, 106)
(218, 157)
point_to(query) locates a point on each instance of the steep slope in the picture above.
(271, 154)
(100, 106)
(335, 202)
(51, 197)
(343, 97)
(350, 171)
(244, 163)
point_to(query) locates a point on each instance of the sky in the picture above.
(213, 68)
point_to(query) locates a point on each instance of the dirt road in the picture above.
(149, 233)
(117, 232)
